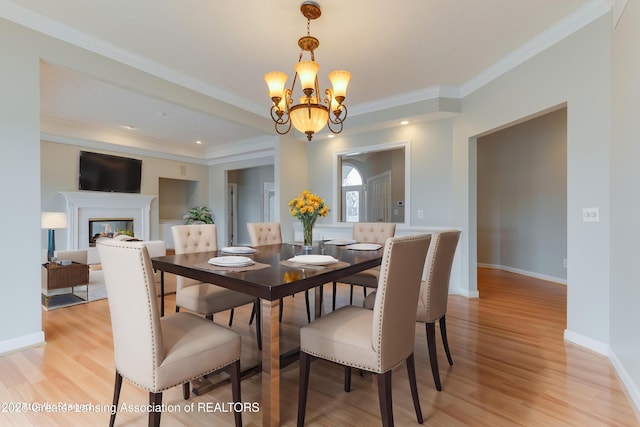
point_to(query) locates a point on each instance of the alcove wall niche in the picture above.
(175, 197)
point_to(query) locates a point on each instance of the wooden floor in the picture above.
(512, 368)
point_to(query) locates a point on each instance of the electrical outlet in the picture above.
(420, 214)
(590, 214)
(564, 263)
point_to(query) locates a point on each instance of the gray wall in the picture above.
(522, 197)
(20, 312)
(625, 200)
(574, 72)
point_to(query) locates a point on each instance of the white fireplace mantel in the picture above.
(84, 205)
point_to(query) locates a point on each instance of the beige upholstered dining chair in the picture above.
(153, 352)
(373, 340)
(366, 232)
(264, 233)
(434, 292)
(205, 298)
(261, 234)
(270, 233)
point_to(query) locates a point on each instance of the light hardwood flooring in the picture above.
(511, 368)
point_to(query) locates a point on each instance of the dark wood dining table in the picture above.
(279, 278)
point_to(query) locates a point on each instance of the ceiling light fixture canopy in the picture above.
(309, 115)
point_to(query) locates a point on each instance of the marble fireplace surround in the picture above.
(84, 205)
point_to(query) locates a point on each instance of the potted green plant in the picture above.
(124, 232)
(198, 215)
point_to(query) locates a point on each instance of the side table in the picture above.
(57, 276)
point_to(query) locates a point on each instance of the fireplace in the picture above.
(108, 227)
(82, 206)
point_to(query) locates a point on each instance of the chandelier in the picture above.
(309, 115)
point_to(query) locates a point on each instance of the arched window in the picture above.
(350, 176)
(351, 193)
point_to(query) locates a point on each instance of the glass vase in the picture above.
(307, 232)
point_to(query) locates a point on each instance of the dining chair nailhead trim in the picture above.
(140, 254)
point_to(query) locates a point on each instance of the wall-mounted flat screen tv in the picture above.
(104, 172)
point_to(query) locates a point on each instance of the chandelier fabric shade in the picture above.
(53, 220)
(312, 112)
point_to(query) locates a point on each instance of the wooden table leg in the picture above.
(318, 294)
(270, 406)
(161, 294)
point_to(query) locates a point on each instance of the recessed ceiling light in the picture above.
(129, 127)
(198, 142)
(331, 135)
(404, 122)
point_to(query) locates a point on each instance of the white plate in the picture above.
(238, 250)
(313, 259)
(340, 242)
(365, 246)
(231, 261)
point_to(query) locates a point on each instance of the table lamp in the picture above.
(51, 221)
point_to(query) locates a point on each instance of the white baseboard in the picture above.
(20, 343)
(524, 273)
(464, 292)
(594, 345)
(630, 386)
(586, 342)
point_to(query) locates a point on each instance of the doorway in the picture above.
(251, 198)
(522, 197)
(379, 198)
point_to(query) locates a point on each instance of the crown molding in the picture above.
(99, 145)
(565, 27)
(48, 26)
(241, 151)
(593, 10)
(557, 32)
(404, 99)
(618, 8)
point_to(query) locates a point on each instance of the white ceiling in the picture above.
(398, 52)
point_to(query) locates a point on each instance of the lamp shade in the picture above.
(339, 80)
(275, 81)
(307, 71)
(51, 220)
